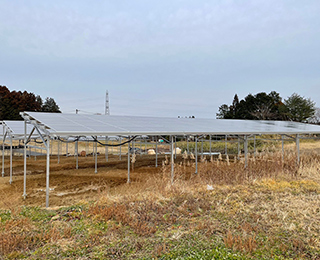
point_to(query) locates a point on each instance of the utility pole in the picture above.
(107, 111)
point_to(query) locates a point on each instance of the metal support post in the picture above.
(96, 158)
(226, 145)
(298, 149)
(48, 172)
(120, 148)
(175, 147)
(210, 146)
(111, 148)
(58, 151)
(3, 139)
(25, 162)
(76, 152)
(282, 148)
(10, 159)
(172, 161)
(246, 151)
(202, 148)
(35, 152)
(128, 180)
(238, 148)
(67, 149)
(187, 144)
(196, 154)
(93, 149)
(145, 146)
(157, 151)
(107, 150)
(254, 146)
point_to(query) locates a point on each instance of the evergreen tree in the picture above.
(224, 111)
(50, 105)
(299, 108)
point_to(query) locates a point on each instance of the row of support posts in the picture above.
(173, 149)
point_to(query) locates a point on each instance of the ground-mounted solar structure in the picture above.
(60, 126)
(14, 131)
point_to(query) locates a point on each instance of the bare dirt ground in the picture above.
(69, 185)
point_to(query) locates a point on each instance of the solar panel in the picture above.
(60, 124)
(16, 128)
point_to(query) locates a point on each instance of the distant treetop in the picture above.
(14, 102)
(264, 106)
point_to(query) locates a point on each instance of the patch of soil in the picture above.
(69, 185)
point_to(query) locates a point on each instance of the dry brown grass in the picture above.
(271, 208)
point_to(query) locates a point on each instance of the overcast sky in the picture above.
(159, 58)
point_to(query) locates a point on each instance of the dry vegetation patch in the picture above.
(269, 210)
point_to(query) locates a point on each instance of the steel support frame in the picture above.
(7, 133)
(46, 143)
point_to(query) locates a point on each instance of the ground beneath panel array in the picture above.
(69, 185)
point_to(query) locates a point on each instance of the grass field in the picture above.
(271, 210)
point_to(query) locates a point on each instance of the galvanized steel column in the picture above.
(25, 161)
(96, 157)
(48, 172)
(254, 146)
(157, 151)
(188, 144)
(86, 146)
(175, 147)
(107, 150)
(298, 149)
(196, 155)
(226, 145)
(58, 151)
(202, 148)
(77, 152)
(145, 146)
(35, 152)
(282, 141)
(120, 140)
(10, 159)
(3, 151)
(172, 161)
(246, 151)
(128, 180)
(238, 148)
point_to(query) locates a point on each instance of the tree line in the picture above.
(263, 106)
(14, 102)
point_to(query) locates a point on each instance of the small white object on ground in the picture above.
(209, 187)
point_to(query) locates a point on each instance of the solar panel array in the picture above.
(60, 124)
(16, 128)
